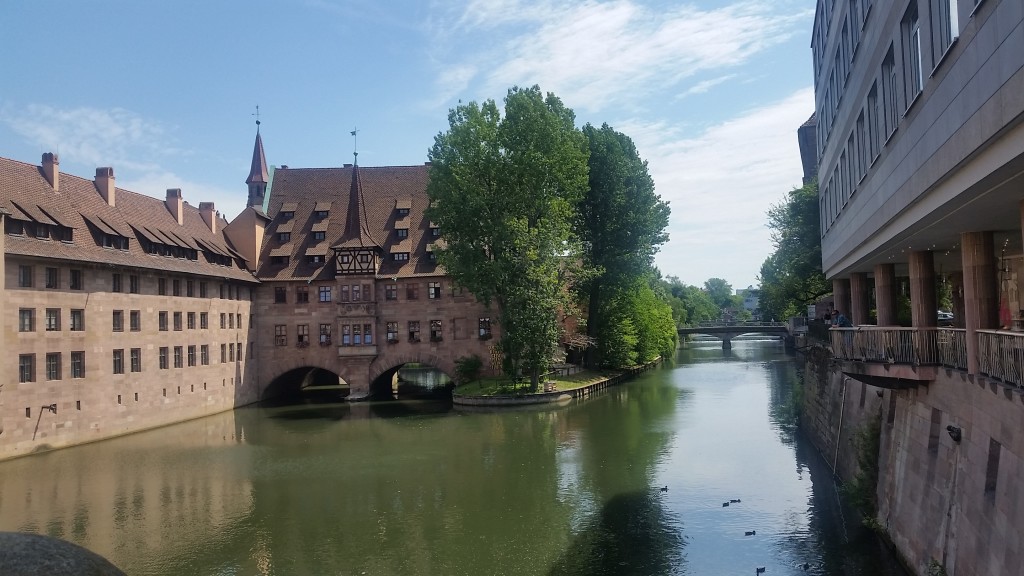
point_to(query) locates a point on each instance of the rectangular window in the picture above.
(77, 280)
(26, 368)
(77, 320)
(190, 320)
(203, 292)
(325, 334)
(118, 320)
(78, 364)
(161, 286)
(357, 335)
(115, 282)
(280, 295)
(367, 293)
(133, 284)
(873, 132)
(204, 354)
(414, 331)
(346, 335)
(238, 320)
(24, 276)
(26, 320)
(889, 104)
(945, 27)
(325, 293)
(435, 331)
(177, 321)
(302, 332)
(231, 321)
(913, 79)
(344, 294)
(391, 292)
(435, 231)
(179, 357)
(190, 288)
(392, 332)
(484, 328)
(162, 322)
(223, 353)
(402, 232)
(433, 290)
(176, 287)
(399, 256)
(119, 361)
(53, 278)
(204, 320)
(163, 358)
(192, 355)
(356, 293)
(135, 356)
(53, 366)
(412, 291)
(318, 236)
(231, 352)
(223, 321)
(284, 236)
(368, 334)
(280, 335)
(302, 294)
(52, 319)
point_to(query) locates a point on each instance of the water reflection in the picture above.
(417, 488)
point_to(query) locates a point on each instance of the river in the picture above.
(633, 481)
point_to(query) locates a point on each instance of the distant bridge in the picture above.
(726, 331)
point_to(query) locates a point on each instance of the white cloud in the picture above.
(720, 184)
(706, 85)
(92, 136)
(595, 54)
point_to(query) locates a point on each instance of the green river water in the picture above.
(397, 488)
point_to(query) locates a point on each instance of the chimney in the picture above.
(105, 183)
(51, 169)
(209, 215)
(174, 204)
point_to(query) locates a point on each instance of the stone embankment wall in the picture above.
(953, 507)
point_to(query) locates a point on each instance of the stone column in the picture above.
(956, 286)
(981, 304)
(885, 294)
(922, 289)
(841, 295)
(858, 298)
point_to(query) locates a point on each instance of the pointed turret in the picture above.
(258, 176)
(357, 233)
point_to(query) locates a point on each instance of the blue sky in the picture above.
(711, 91)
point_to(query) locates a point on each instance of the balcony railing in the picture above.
(892, 345)
(1001, 355)
(952, 343)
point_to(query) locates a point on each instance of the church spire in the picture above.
(258, 176)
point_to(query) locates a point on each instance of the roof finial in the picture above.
(355, 145)
(257, 115)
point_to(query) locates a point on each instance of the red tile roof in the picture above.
(383, 188)
(25, 193)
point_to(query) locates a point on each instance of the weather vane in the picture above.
(355, 144)
(257, 115)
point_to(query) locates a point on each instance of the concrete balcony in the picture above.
(887, 357)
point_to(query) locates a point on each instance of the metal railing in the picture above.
(952, 343)
(740, 323)
(893, 345)
(1001, 355)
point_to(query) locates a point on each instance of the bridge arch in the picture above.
(726, 331)
(384, 369)
(291, 380)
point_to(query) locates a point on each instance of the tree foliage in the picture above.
(504, 191)
(721, 293)
(637, 326)
(621, 223)
(791, 277)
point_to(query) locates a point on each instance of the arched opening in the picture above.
(411, 381)
(306, 385)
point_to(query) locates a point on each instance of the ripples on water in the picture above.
(418, 488)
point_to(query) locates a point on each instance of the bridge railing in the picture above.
(1001, 355)
(739, 324)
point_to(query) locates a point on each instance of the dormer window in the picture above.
(402, 206)
(400, 256)
(321, 210)
(435, 231)
(284, 236)
(403, 212)
(317, 259)
(279, 260)
(318, 236)
(287, 215)
(321, 214)
(402, 232)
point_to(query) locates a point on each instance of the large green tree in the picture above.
(721, 293)
(504, 191)
(621, 223)
(791, 277)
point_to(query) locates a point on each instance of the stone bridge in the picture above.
(726, 331)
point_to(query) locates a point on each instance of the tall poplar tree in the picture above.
(622, 223)
(504, 191)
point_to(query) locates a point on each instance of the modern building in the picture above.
(920, 148)
(122, 312)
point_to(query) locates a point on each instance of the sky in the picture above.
(711, 92)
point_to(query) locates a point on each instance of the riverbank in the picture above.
(563, 394)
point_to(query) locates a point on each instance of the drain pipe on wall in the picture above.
(839, 436)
